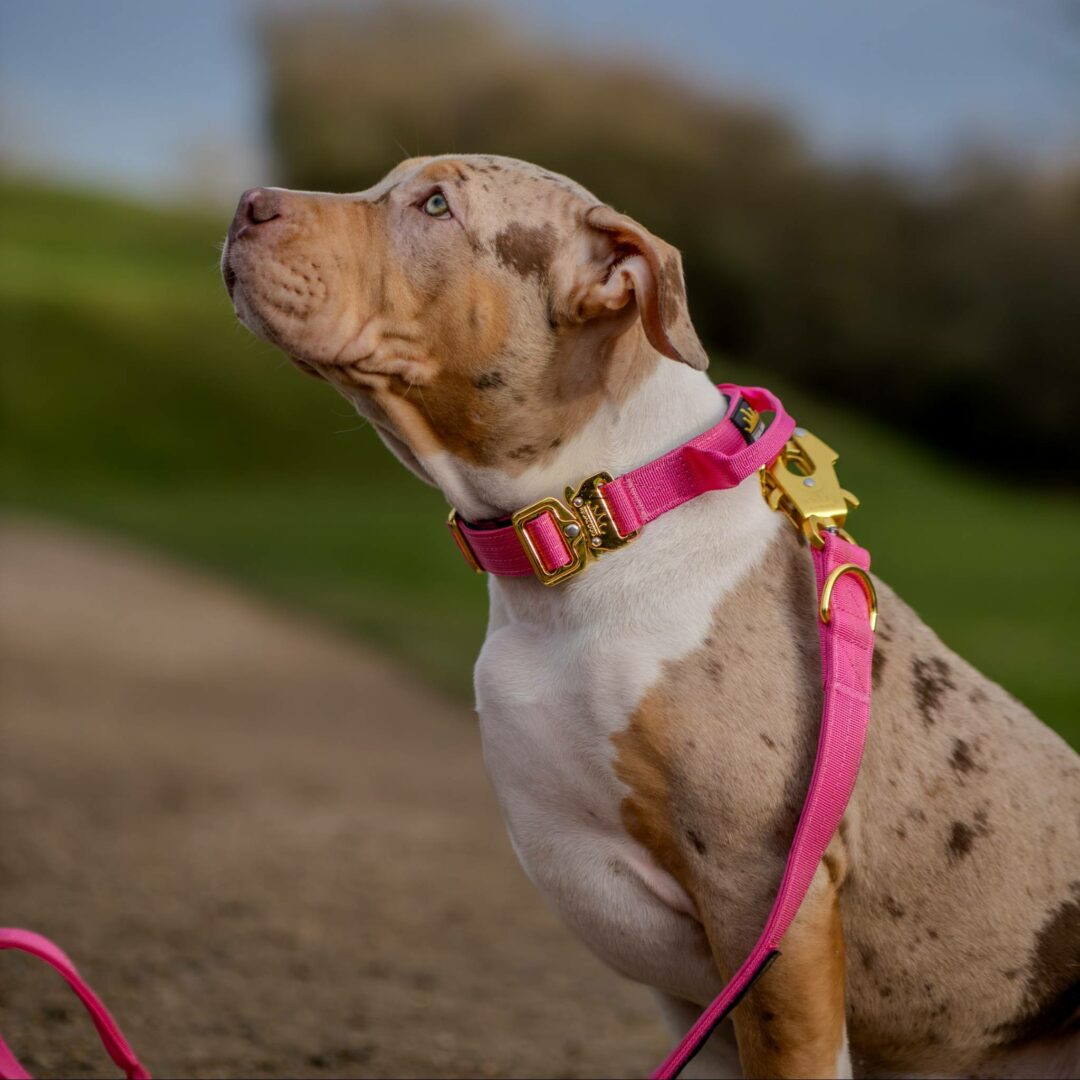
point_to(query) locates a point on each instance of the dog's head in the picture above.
(472, 305)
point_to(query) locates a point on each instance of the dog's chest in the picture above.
(553, 688)
(547, 711)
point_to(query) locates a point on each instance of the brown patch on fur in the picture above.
(444, 170)
(893, 908)
(699, 844)
(1052, 989)
(643, 763)
(526, 249)
(961, 759)
(932, 679)
(877, 665)
(962, 836)
(489, 380)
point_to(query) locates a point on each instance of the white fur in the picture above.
(563, 669)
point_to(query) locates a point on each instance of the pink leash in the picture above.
(555, 540)
(847, 645)
(111, 1036)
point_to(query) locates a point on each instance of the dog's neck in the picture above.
(671, 405)
(654, 584)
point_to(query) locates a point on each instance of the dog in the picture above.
(650, 726)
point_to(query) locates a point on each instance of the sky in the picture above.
(166, 96)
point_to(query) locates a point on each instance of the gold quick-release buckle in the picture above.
(586, 525)
(802, 484)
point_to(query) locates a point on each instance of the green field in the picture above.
(134, 402)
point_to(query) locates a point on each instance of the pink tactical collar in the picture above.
(555, 540)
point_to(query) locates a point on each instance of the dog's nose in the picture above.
(256, 207)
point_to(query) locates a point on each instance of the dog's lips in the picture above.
(307, 367)
(229, 276)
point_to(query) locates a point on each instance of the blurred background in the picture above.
(879, 209)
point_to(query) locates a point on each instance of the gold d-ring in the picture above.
(864, 580)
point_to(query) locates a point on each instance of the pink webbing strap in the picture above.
(717, 458)
(847, 645)
(111, 1036)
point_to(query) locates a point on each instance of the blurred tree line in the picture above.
(949, 306)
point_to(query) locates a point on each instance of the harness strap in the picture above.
(111, 1036)
(847, 646)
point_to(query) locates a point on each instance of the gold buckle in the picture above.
(864, 581)
(802, 484)
(462, 543)
(586, 525)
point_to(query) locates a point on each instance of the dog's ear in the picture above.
(633, 265)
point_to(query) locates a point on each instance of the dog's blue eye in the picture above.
(437, 206)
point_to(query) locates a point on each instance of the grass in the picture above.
(133, 402)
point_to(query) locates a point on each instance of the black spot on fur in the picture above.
(555, 443)
(962, 836)
(770, 743)
(893, 908)
(489, 380)
(961, 758)
(525, 452)
(867, 957)
(932, 678)
(699, 844)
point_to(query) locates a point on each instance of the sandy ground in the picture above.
(271, 852)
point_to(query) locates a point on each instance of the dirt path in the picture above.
(273, 853)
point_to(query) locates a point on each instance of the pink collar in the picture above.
(555, 539)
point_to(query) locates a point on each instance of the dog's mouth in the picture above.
(228, 275)
(307, 367)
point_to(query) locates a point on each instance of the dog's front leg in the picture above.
(791, 1024)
